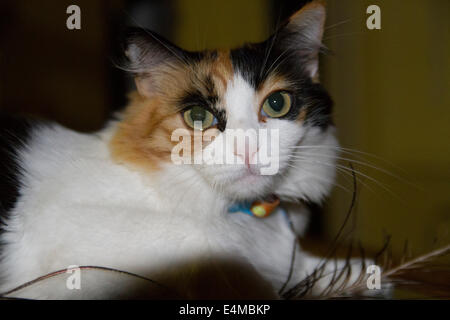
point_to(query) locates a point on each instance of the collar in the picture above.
(259, 209)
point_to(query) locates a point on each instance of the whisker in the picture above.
(381, 185)
(267, 55)
(319, 270)
(276, 61)
(343, 35)
(339, 170)
(366, 164)
(357, 178)
(333, 183)
(359, 154)
(338, 24)
(349, 151)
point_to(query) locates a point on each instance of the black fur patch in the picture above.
(249, 62)
(14, 134)
(256, 62)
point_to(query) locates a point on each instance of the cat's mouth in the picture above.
(250, 177)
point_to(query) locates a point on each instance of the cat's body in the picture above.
(114, 199)
(78, 207)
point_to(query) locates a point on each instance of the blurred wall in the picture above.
(48, 70)
(221, 24)
(391, 88)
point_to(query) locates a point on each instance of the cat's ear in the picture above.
(146, 52)
(303, 33)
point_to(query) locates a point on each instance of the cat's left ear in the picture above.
(303, 33)
(145, 53)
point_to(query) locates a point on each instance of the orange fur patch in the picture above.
(302, 115)
(143, 137)
(222, 69)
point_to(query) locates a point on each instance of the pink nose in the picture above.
(246, 157)
(245, 154)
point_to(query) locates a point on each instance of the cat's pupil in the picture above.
(276, 101)
(198, 114)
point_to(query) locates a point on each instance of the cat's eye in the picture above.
(198, 114)
(277, 104)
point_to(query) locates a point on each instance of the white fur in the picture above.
(78, 207)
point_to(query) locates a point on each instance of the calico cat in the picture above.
(116, 199)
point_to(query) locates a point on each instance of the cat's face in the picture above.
(251, 121)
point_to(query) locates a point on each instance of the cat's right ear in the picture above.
(303, 34)
(144, 52)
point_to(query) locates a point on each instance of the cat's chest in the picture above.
(142, 239)
(79, 208)
(124, 225)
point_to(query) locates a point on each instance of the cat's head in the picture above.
(217, 97)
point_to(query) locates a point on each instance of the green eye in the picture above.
(199, 114)
(277, 104)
